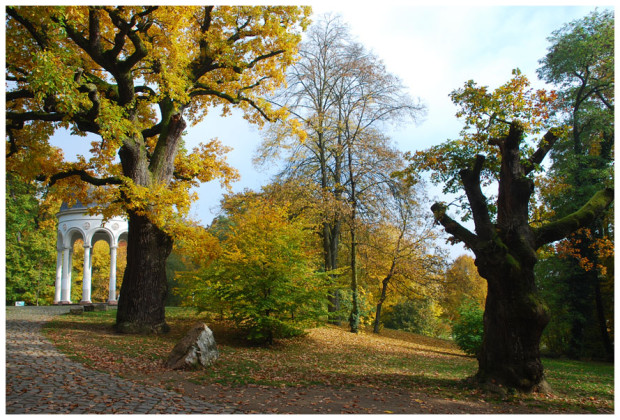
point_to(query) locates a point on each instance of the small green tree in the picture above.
(265, 278)
(467, 330)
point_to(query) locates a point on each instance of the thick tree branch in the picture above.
(167, 146)
(152, 131)
(477, 201)
(84, 176)
(19, 94)
(94, 33)
(203, 62)
(34, 116)
(560, 229)
(453, 227)
(13, 149)
(39, 38)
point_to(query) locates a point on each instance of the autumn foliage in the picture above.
(265, 278)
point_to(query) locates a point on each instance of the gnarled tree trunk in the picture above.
(514, 319)
(505, 250)
(141, 306)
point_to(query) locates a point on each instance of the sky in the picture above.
(433, 49)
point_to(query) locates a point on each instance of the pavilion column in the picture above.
(112, 297)
(65, 297)
(58, 284)
(86, 279)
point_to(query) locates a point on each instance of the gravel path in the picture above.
(40, 379)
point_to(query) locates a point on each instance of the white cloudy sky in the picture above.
(433, 49)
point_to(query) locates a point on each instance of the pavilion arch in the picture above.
(75, 223)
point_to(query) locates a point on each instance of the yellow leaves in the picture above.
(195, 243)
(205, 163)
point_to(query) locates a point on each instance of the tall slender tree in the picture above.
(341, 93)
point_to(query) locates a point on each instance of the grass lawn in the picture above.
(328, 358)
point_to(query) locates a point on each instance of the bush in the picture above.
(415, 316)
(265, 279)
(468, 328)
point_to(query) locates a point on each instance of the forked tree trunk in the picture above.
(143, 292)
(505, 250)
(141, 306)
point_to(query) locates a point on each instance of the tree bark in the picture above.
(384, 287)
(514, 319)
(331, 236)
(141, 306)
(354, 318)
(602, 322)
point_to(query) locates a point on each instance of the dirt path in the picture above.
(261, 399)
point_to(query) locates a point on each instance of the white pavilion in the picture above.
(75, 223)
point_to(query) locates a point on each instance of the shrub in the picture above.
(468, 328)
(415, 316)
(265, 280)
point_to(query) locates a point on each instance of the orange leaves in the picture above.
(487, 113)
(602, 249)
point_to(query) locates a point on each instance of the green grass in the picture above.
(327, 356)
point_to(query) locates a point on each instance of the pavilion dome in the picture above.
(77, 206)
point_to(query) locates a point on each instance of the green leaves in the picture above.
(30, 245)
(467, 330)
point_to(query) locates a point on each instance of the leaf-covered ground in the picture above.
(328, 371)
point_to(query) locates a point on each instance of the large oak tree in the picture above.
(133, 77)
(507, 134)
